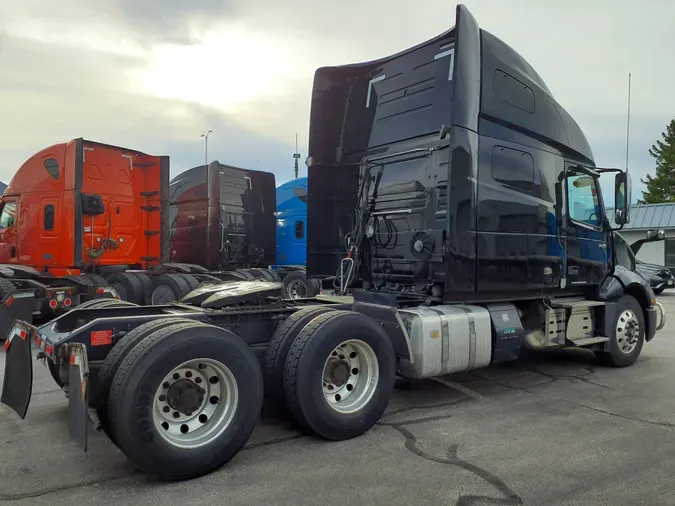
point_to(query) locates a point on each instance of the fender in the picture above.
(626, 282)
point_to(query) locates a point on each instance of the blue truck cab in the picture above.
(292, 222)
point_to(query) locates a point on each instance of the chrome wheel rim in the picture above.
(627, 331)
(162, 295)
(297, 289)
(195, 403)
(350, 376)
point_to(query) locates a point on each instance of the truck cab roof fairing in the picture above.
(352, 104)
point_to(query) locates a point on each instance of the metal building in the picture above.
(644, 217)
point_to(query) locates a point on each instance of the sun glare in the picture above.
(224, 68)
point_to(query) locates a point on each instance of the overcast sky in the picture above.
(154, 74)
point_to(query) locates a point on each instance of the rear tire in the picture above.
(96, 280)
(108, 303)
(167, 288)
(115, 358)
(6, 288)
(54, 371)
(146, 283)
(277, 351)
(139, 396)
(131, 287)
(334, 351)
(192, 282)
(89, 303)
(297, 286)
(628, 334)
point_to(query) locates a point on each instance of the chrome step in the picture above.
(575, 303)
(590, 340)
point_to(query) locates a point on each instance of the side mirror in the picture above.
(622, 198)
(656, 235)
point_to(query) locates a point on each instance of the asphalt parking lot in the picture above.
(555, 429)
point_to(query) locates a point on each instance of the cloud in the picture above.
(154, 75)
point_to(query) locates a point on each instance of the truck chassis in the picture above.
(179, 387)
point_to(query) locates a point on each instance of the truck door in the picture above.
(585, 242)
(9, 231)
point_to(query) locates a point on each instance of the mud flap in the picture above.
(78, 395)
(17, 388)
(384, 309)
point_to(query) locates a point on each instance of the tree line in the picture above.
(661, 186)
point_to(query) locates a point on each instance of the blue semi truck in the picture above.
(292, 223)
(291, 239)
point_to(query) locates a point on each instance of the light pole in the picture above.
(206, 147)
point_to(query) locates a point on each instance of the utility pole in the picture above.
(296, 155)
(206, 147)
(628, 124)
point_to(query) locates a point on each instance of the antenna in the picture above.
(296, 155)
(628, 124)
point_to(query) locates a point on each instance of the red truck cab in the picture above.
(77, 205)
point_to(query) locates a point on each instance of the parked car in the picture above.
(658, 276)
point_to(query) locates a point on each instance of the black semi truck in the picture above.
(464, 202)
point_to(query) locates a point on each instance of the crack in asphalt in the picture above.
(9, 497)
(411, 442)
(452, 459)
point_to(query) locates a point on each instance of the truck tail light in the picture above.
(67, 302)
(53, 303)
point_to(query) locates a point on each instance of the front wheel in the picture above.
(628, 334)
(339, 375)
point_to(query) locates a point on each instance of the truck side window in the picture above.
(8, 214)
(582, 199)
(49, 217)
(299, 229)
(512, 167)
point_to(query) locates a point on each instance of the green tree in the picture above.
(661, 187)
